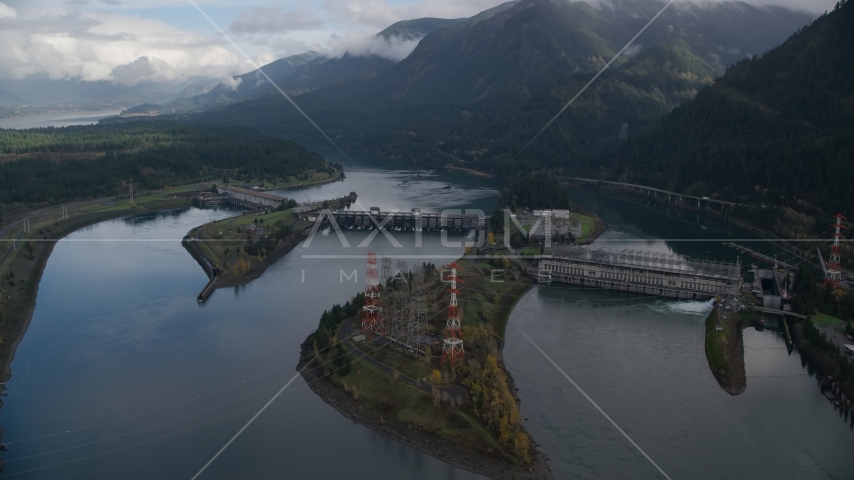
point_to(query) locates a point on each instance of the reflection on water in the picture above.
(432, 191)
(645, 366)
(657, 228)
(642, 360)
(122, 374)
(173, 214)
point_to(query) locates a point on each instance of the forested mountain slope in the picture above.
(778, 128)
(295, 74)
(301, 73)
(475, 91)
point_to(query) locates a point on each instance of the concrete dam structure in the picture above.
(637, 271)
(414, 220)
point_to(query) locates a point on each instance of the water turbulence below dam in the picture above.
(641, 359)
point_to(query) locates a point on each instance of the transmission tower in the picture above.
(452, 349)
(419, 337)
(372, 313)
(833, 271)
(401, 302)
(385, 272)
(389, 302)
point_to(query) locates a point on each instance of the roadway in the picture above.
(658, 190)
(36, 216)
(839, 338)
(778, 312)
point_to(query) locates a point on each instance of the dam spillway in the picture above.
(650, 273)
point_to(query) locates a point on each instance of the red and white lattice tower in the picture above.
(833, 270)
(372, 313)
(452, 348)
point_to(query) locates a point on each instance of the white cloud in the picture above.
(7, 12)
(107, 46)
(143, 68)
(100, 40)
(813, 6)
(274, 20)
(633, 50)
(380, 14)
(364, 44)
(231, 82)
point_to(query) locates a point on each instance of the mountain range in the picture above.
(301, 73)
(474, 91)
(778, 128)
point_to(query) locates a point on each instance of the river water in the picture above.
(57, 119)
(123, 375)
(641, 359)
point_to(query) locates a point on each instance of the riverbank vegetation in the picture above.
(725, 349)
(539, 191)
(51, 165)
(813, 296)
(822, 352)
(470, 404)
(240, 248)
(829, 305)
(543, 191)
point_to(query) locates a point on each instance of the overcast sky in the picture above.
(169, 40)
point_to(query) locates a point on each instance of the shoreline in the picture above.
(725, 352)
(826, 366)
(339, 177)
(287, 228)
(469, 171)
(727, 218)
(19, 322)
(598, 228)
(490, 459)
(20, 310)
(15, 326)
(257, 269)
(372, 418)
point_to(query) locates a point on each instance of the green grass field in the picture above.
(823, 319)
(587, 222)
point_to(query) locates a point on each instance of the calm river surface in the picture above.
(57, 119)
(123, 375)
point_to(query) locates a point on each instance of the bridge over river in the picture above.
(670, 195)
